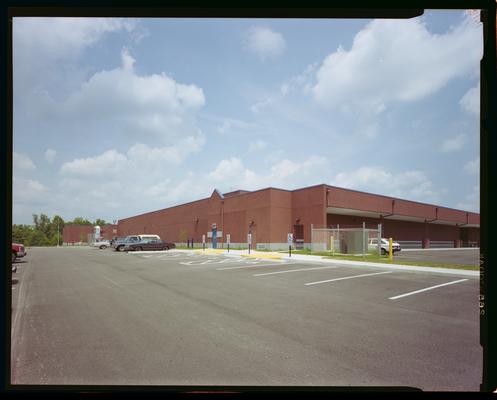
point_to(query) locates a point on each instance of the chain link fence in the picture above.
(358, 240)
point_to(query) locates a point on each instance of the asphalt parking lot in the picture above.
(88, 317)
(452, 256)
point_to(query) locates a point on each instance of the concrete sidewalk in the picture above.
(320, 259)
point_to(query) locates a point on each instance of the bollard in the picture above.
(390, 249)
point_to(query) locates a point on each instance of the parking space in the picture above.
(368, 282)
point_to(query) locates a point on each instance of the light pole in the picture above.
(57, 233)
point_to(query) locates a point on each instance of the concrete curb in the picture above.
(443, 249)
(385, 266)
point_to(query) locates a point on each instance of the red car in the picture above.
(18, 251)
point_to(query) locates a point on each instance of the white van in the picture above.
(146, 236)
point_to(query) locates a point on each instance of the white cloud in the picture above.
(471, 201)
(138, 180)
(50, 155)
(231, 125)
(470, 102)
(141, 155)
(57, 36)
(257, 145)
(454, 144)
(50, 43)
(397, 60)
(154, 106)
(264, 42)
(225, 127)
(22, 162)
(275, 156)
(139, 159)
(257, 107)
(285, 174)
(473, 167)
(227, 169)
(412, 185)
(100, 166)
(300, 83)
(28, 191)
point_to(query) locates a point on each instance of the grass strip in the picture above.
(384, 260)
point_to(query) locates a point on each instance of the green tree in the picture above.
(39, 239)
(35, 220)
(56, 229)
(79, 221)
(44, 225)
(22, 234)
(100, 222)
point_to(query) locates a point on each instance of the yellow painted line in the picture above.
(263, 255)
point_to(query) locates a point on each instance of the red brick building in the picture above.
(79, 233)
(270, 214)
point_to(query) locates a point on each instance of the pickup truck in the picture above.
(18, 251)
(101, 243)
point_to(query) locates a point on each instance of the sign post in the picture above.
(228, 237)
(214, 236)
(290, 241)
(203, 242)
(249, 241)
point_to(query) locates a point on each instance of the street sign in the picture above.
(228, 238)
(249, 238)
(290, 238)
(203, 238)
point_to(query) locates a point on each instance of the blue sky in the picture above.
(116, 117)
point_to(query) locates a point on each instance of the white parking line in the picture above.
(348, 277)
(199, 262)
(247, 266)
(424, 290)
(178, 258)
(292, 270)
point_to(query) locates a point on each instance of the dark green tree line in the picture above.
(46, 231)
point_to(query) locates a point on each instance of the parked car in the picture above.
(120, 244)
(149, 244)
(101, 243)
(373, 243)
(18, 251)
(116, 238)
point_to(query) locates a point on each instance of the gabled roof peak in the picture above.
(218, 193)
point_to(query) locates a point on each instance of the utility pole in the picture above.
(57, 232)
